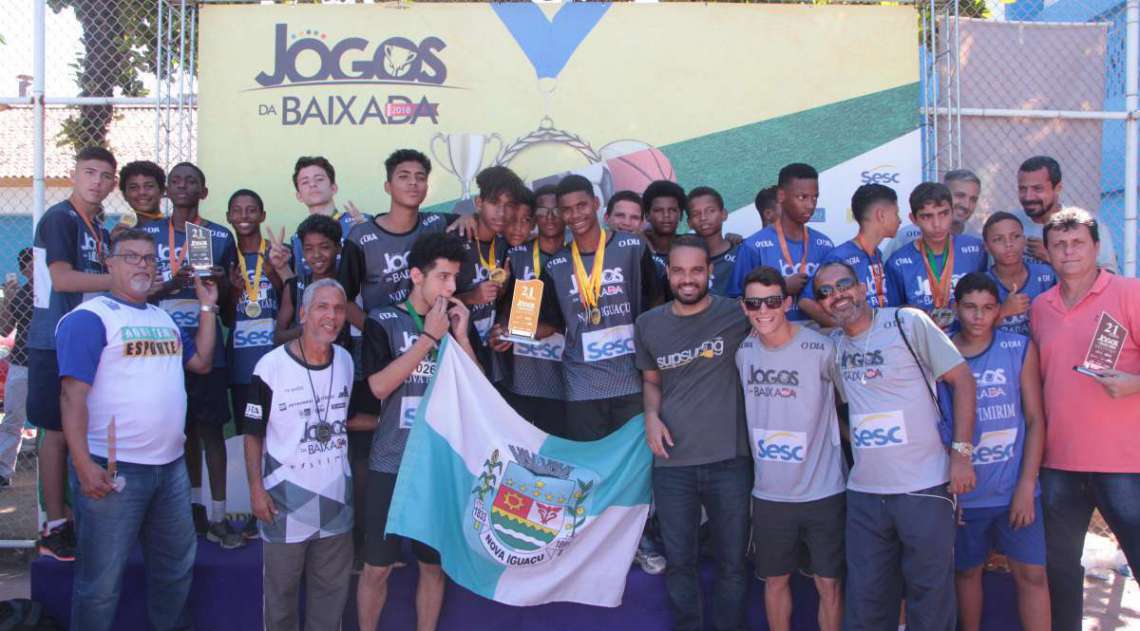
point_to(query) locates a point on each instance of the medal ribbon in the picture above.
(877, 275)
(537, 259)
(489, 265)
(419, 321)
(253, 288)
(589, 287)
(787, 253)
(940, 291)
(94, 235)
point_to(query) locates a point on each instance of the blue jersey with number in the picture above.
(1041, 278)
(910, 284)
(763, 248)
(252, 337)
(849, 252)
(999, 433)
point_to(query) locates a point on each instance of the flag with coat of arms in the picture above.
(519, 516)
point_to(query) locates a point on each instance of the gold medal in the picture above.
(590, 287)
(129, 219)
(942, 316)
(495, 273)
(252, 285)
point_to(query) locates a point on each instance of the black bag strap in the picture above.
(929, 389)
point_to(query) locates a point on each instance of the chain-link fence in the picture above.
(75, 74)
(1007, 81)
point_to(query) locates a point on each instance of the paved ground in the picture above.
(1111, 604)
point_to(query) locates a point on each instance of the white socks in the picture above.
(217, 510)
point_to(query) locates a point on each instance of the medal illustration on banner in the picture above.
(624, 164)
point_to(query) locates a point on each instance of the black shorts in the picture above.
(598, 418)
(43, 390)
(380, 549)
(781, 531)
(239, 396)
(206, 400)
(549, 415)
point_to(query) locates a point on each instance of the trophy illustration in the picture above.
(464, 156)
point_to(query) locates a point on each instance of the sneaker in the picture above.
(201, 522)
(250, 530)
(223, 534)
(650, 562)
(57, 543)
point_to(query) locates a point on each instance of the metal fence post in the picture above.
(1131, 129)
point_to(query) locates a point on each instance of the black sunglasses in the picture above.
(843, 284)
(754, 304)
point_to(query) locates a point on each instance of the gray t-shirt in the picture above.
(793, 428)
(597, 359)
(389, 333)
(374, 261)
(700, 395)
(1106, 259)
(894, 422)
(536, 369)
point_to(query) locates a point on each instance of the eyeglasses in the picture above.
(754, 304)
(132, 258)
(542, 211)
(843, 284)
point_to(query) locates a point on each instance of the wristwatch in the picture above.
(209, 309)
(966, 449)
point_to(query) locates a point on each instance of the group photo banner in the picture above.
(717, 95)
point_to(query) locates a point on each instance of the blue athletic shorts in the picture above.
(988, 528)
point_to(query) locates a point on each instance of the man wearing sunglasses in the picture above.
(788, 372)
(694, 424)
(876, 208)
(900, 509)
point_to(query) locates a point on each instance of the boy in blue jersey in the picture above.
(923, 273)
(254, 299)
(1018, 280)
(788, 245)
(707, 215)
(69, 248)
(1004, 509)
(207, 410)
(876, 209)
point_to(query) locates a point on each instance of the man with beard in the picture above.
(694, 424)
(122, 363)
(900, 513)
(1039, 192)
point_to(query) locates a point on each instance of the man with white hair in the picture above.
(296, 459)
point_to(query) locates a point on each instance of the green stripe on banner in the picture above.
(823, 137)
(428, 450)
(740, 161)
(623, 449)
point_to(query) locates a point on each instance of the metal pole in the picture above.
(1131, 129)
(158, 85)
(39, 69)
(193, 85)
(957, 85)
(39, 66)
(181, 76)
